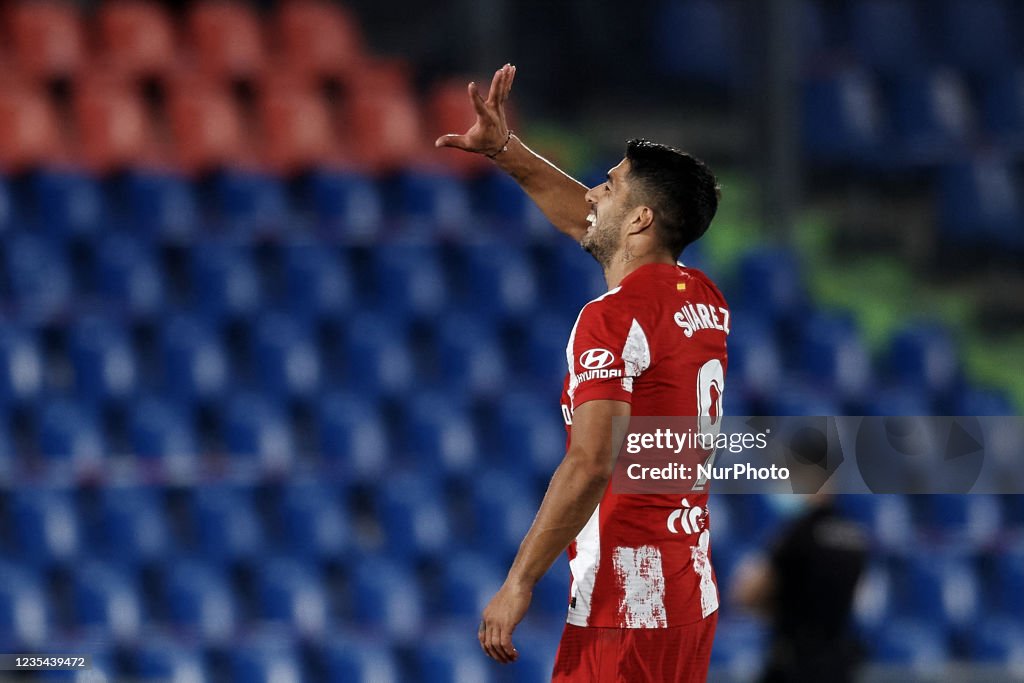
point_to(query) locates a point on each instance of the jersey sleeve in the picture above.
(607, 351)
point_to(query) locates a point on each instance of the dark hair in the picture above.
(680, 188)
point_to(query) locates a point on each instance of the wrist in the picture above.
(503, 148)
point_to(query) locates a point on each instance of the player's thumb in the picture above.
(451, 140)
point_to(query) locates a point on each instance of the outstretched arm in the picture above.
(572, 496)
(559, 196)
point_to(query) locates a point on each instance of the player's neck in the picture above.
(625, 263)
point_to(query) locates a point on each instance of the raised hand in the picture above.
(490, 132)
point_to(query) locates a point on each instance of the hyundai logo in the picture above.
(595, 359)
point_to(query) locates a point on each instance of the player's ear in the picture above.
(643, 218)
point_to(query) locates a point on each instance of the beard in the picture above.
(602, 240)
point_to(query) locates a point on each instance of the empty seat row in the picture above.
(698, 39)
(55, 39)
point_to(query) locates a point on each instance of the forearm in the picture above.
(560, 196)
(572, 496)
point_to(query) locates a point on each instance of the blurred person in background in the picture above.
(643, 601)
(805, 587)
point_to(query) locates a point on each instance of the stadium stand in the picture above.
(251, 401)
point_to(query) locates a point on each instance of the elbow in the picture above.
(597, 471)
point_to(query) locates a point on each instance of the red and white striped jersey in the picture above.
(657, 341)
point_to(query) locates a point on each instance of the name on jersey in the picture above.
(695, 317)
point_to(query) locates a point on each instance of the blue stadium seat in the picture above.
(293, 593)
(501, 201)
(25, 617)
(225, 523)
(977, 35)
(873, 599)
(842, 117)
(39, 277)
(161, 205)
(755, 362)
(940, 588)
(470, 355)
(503, 509)
(163, 432)
(9, 460)
(1002, 102)
(698, 40)
(158, 659)
(103, 360)
(413, 517)
(378, 351)
(440, 435)
(318, 281)
(357, 659)
(901, 400)
(470, 581)
(10, 212)
(267, 662)
(803, 399)
(103, 669)
(315, 521)
(194, 361)
(250, 202)
(933, 117)
(286, 357)
(739, 648)
(387, 599)
(575, 279)
(70, 432)
(430, 200)
(1006, 591)
(501, 280)
(128, 276)
(224, 281)
(133, 528)
(70, 204)
(771, 282)
(46, 526)
(551, 594)
(977, 401)
(447, 656)
(833, 355)
(198, 599)
(410, 278)
(917, 643)
(537, 650)
(546, 362)
(972, 521)
(107, 601)
(346, 204)
(353, 435)
(532, 432)
(980, 203)
(886, 36)
(257, 432)
(886, 517)
(998, 641)
(21, 365)
(925, 356)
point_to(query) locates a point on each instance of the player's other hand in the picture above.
(490, 131)
(501, 616)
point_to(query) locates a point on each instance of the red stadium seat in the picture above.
(137, 38)
(450, 111)
(29, 132)
(206, 127)
(319, 37)
(381, 129)
(114, 130)
(46, 38)
(228, 39)
(296, 125)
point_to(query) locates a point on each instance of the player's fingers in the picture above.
(495, 646)
(507, 648)
(477, 99)
(506, 81)
(494, 93)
